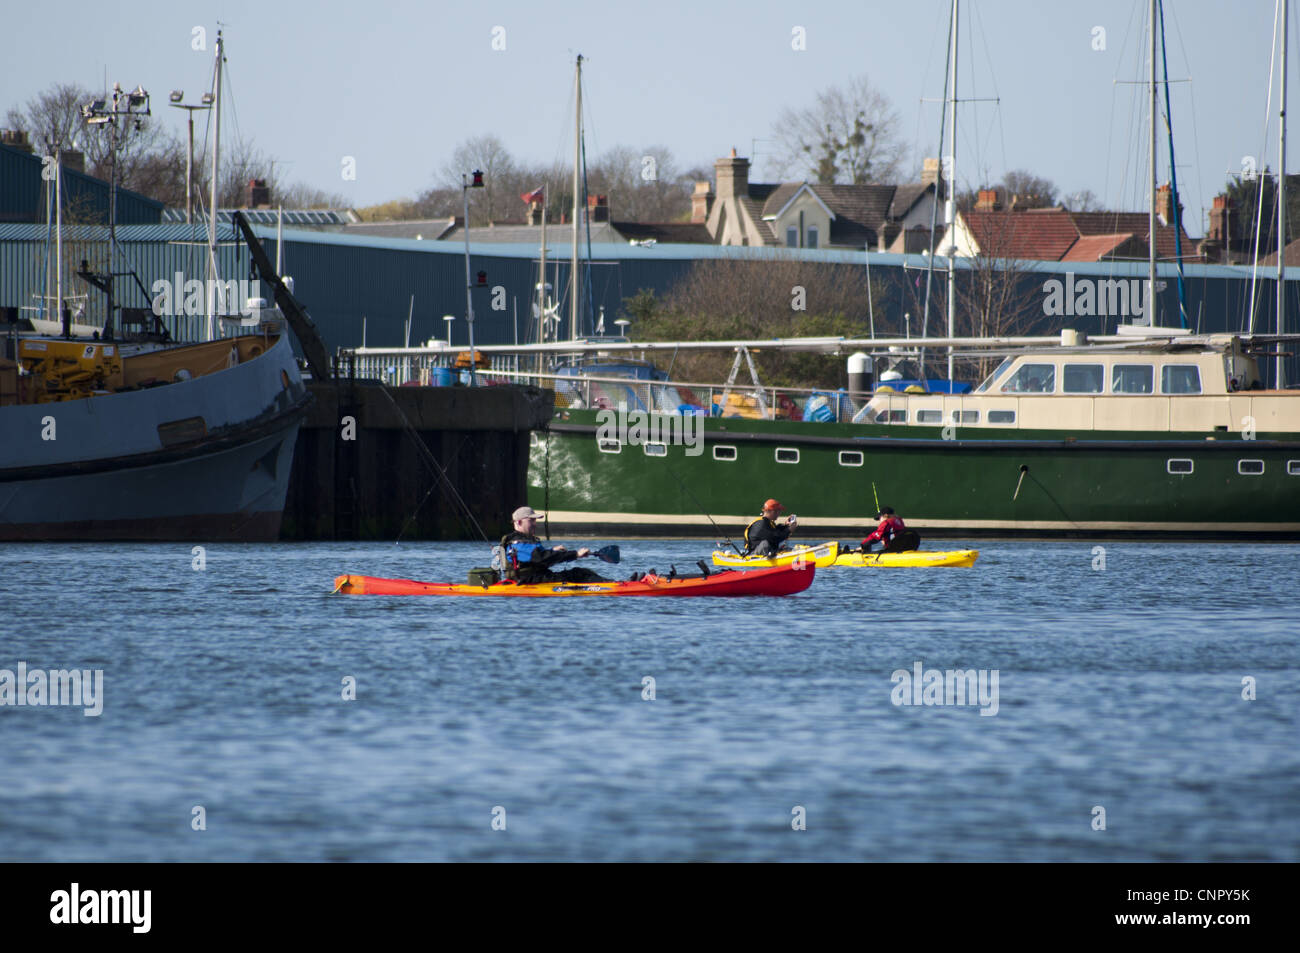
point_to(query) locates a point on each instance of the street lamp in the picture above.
(473, 181)
(449, 318)
(129, 108)
(206, 103)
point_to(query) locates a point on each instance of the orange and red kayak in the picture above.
(779, 581)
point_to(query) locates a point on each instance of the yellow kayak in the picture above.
(952, 557)
(819, 556)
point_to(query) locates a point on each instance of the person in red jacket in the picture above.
(892, 533)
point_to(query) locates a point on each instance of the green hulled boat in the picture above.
(1160, 434)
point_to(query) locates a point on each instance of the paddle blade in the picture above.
(609, 554)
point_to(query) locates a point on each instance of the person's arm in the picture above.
(876, 536)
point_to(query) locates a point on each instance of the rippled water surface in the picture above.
(1118, 688)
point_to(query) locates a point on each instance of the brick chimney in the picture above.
(598, 208)
(988, 200)
(258, 196)
(701, 203)
(15, 139)
(732, 174)
(1165, 204)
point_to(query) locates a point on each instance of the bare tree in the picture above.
(489, 155)
(777, 296)
(1028, 190)
(848, 134)
(1083, 201)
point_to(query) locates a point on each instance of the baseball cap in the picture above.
(525, 512)
(773, 505)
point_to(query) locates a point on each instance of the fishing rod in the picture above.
(697, 502)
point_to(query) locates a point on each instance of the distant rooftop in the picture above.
(300, 218)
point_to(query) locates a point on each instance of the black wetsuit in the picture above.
(537, 569)
(764, 538)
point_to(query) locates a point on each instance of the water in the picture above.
(1119, 688)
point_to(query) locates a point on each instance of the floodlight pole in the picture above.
(475, 181)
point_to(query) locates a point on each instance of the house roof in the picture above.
(1292, 255)
(859, 213)
(1044, 234)
(680, 232)
(1135, 223)
(1097, 247)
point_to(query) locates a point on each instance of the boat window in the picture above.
(609, 446)
(1293, 468)
(656, 450)
(786, 455)
(724, 453)
(1132, 379)
(1180, 379)
(1032, 379)
(1250, 467)
(965, 417)
(988, 381)
(893, 417)
(1178, 466)
(1002, 416)
(1083, 378)
(853, 458)
(929, 416)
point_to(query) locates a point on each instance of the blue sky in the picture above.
(396, 86)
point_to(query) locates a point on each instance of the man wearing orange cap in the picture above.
(763, 537)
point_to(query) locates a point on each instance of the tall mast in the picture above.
(210, 331)
(952, 192)
(1149, 305)
(541, 289)
(575, 285)
(1281, 207)
(58, 228)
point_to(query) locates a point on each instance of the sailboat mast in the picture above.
(1281, 208)
(58, 228)
(575, 285)
(210, 330)
(1149, 305)
(952, 193)
(541, 288)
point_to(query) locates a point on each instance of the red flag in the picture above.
(536, 195)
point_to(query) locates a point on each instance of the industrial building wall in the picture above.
(344, 279)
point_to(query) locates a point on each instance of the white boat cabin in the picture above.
(1190, 385)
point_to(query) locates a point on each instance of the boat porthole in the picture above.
(787, 455)
(850, 458)
(725, 453)
(1293, 468)
(1250, 467)
(1178, 466)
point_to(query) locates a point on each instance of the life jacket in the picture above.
(517, 552)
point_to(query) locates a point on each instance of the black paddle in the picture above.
(609, 554)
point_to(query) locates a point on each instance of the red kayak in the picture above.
(778, 581)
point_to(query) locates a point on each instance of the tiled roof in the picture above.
(1043, 234)
(905, 196)
(778, 197)
(754, 207)
(865, 204)
(1099, 247)
(1292, 255)
(429, 229)
(860, 211)
(1135, 223)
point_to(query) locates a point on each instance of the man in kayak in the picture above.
(763, 537)
(892, 533)
(529, 560)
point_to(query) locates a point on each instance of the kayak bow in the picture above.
(914, 558)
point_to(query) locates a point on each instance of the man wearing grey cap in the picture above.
(529, 560)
